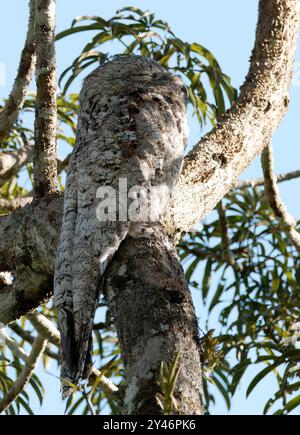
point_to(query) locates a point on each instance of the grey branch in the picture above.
(273, 197)
(211, 169)
(12, 162)
(26, 374)
(17, 97)
(32, 265)
(29, 338)
(44, 327)
(45, 165)
(13, 346)
(256, 182)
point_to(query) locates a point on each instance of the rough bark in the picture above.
(17, 97)
(28, 244)
(155, 318)
(45, 165)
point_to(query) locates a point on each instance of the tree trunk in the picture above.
(155, 319)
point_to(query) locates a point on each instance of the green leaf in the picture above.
(78, 29)
(99, 20)
(191, 269)
(261, 375)
(222, 390)
(217, 296)
(206, 279)
(290, 406)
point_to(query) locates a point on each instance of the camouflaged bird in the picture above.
(132, 126)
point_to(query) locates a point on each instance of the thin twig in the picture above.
(273, 196)
(45, 165)
(17, 97)
(62, 164)
(26, 374)
(28, 338)
(261, 181)
(13, 346)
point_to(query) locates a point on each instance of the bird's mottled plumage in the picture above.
(132, 125)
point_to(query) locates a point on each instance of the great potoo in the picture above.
(132, 132)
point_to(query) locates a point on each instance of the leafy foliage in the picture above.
(167, 383)
(257, 297)
(141, 33)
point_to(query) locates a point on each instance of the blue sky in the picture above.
(225, 28)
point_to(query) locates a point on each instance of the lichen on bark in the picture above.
(155, 318)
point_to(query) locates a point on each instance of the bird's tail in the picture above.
(77, 352)
(90, 257)
(71, 376)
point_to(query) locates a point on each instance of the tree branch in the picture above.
(45, 165)
(49, 333)
(273, 197)
(16, 350)
(212, 167)
(17, 97)
(12, 162)
(155, 318)
(29, 338)
(26, 374)
(29, 237)
(44, 327)
(261, 181)
(11, 205)
(28, 243)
